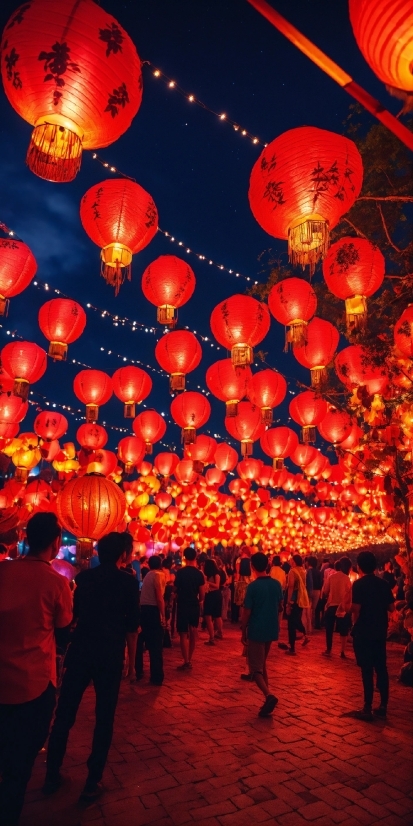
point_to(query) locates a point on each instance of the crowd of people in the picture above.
(58, 637)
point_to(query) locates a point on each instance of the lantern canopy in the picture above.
(178, 353)
(353, 270)
(131, 385)
(168, 283)
(293, 303)
(240, 323)
(61, 321)
(17, 269)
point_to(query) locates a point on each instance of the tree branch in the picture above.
(358, 231)
(385, 198)
(386, 230)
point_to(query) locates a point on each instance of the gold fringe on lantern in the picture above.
(129, 410)
(116, 265)
(21, 474)
(176, 382)
(148, 448)
(84, 549)
(92, 411)
(21, 388)
(308, 433)
(242, 355)
(189, 435)
(296, 334)
(356, 313)
(278, 464)
(246, 448)
(231, 409)
(4, 305)
(54, 153)
(128, 468)
(308, 242)
(167, 315)
(266, 415)
(318, 376)
(58, 350)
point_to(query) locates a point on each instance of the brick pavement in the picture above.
(195, 752)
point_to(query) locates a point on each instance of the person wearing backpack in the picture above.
(297, 600)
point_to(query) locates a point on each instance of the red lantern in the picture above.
(228, 383)
(150, 427)
(131, 385)
(26, 362)
(303, 455)
(185, 473)
(17, 268)
(61, 321)
(226, 457)
(249, 469)
(6, 382)
(131, 451)
(168, 283)
(267, 390)
(202, 452)
(121, 218)
(12, 408)
(91, 436)
(74, 74)
(293, 303)
(240, 323)
(215, 477)
(352, 440)
(49, 426)
(317, 466)
(354, 368)
(308, 410)
(247, 426)
(166, 463)
(102, 461)
(90, 507)
(178, 353)
(301, 185)
(8, 430)
(279, 443)
(319, 349)
(163, 500)
(335, 426)
(353, 270)
(93, 388)
(403, 332)
(190, 411)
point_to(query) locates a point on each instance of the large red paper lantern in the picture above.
(335, 426)
(131, 385)
(403, 332)
(166, 463)
(178, 353)
(149, 426)
(50, 425)
(247, 426)
(71, 71)
(17, 269)
(202, 452)
(90, 507)
(240, 323)
(293, 303)
(354, 368)
(301, 185)
(226, 458)
(267, 390)
(228, 383)
(303, 455)
(92, 436)
(215, 477)
(93, 388)
(26, 362)
(8, 430)
(279, 443)
(168, 283)
(318, 351)
(353, 270)
(308, 410)
(12, 408)
(131, 451)
(249, 469)
(185, 472)
(121, 218)
(190, 411)
(61, 321)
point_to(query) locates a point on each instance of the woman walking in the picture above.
(297, 599)
(213, 600)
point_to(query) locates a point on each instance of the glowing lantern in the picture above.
(61, 321)
(215, 477)
(190, 411)
(318, 351)
(267, 390)
(303, 455)
(249, 469)
(279, 443)
(293, 303)
(102, 462)
(163, 500)
(225, 457)
(166, 463)
(91, 436)
(202, 452)
(131, 385)
(354, 368)
(49, 426)
(25, 459)
(168, 283)
(318, 466)
(335, 426)
(90, 507)
(26, 362)
(178, 353)
(247, 426)
(131, 451)
(17, 269)
(74, 74)
(403, 332)
(150, 427)
(6, 382)
(353, 270)
(121, 218)
(12, 408)
(8, 430)
(185, 472)
(308, 410)
(93, 388)
(240, 323)
(228, 383)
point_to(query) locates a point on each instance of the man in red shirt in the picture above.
(35, 601)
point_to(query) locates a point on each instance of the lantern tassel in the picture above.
(295, 335)
(54, 153)
(308, 434)
(318, 376)
(308, 243)
(115, 275)
(356, 313)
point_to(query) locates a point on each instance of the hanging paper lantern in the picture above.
(185, 472)
(383, 30)
(149, 426)
(240, 323)
(8, 430)
(247, 426)
(26, 362)
(61, 321)
(90, 507)
(226, 458)
(25, 459)
(50, 425)
(317, 466)
(301, 185)
(131, 451)
(190, 411)
(267, 390)
(353, 439)
(228, 383)
(308, 410)
(12, 408)
(215, 477)
(121, 218)
(102, 461)
(131, 385)
(354, 368)
(178, 353)
(293, 303)
(168, 283)
(202, 452)
(335, 426)
(17, 269)
(93, 388)
(303, 455)
(279, 443)
(91, 436)
(403, 332)
(166, 463)
(318, 351)
(6, 382)
(249, 469)
(72, 72)
(354, 270)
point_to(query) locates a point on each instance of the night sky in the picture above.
(195, 167)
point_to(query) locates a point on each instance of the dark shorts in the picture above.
(213, 604)
(257, 653)
(343, 625)
(187, 616)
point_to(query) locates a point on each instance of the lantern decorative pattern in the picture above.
(279, 443)
(90, 507)
(17, 269)
(190, 411)
(92, 436)
(50, 425)
(131, 385)
(354, 368)
(61, 321)
(178, 353)
(318, 351)
(26, 362)
(120, 217)
(293, 303)
(168, 283)
(353, 270)
(93, 388)
(267, 389)
(301, 185)
(71, 71)
(247, 426)
(240, 323)
(308, 410)
(149, 426)
(228, 383)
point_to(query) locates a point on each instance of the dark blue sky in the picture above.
(195, 167)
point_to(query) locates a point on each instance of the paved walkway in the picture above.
(195, 752)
